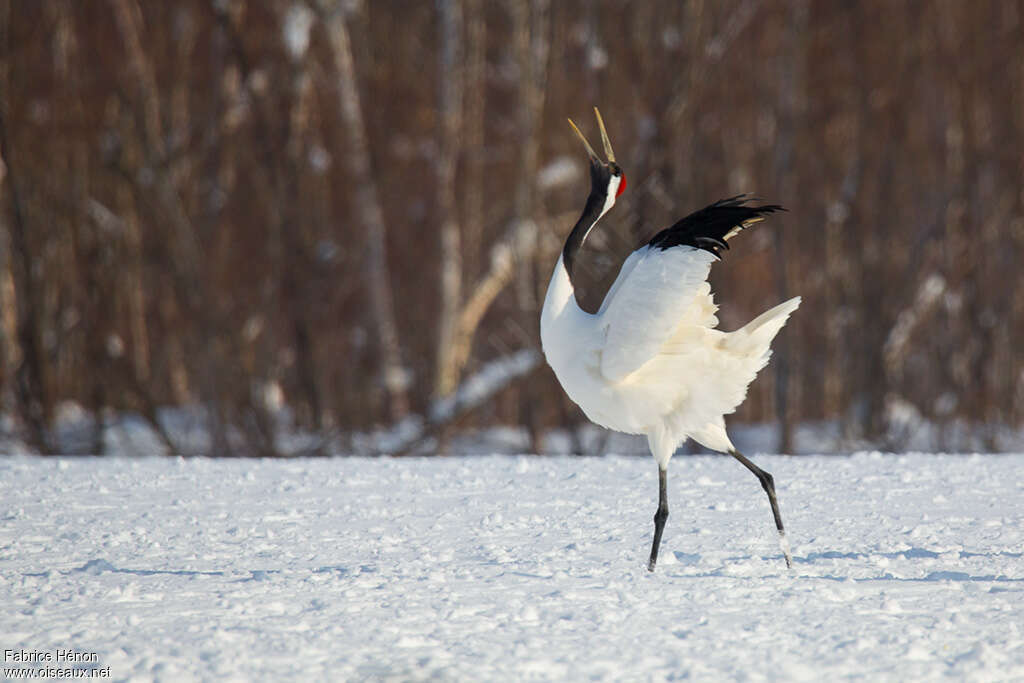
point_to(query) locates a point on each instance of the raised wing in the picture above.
(712, 227)
(627, 267)
(661, 281)
(646, 304)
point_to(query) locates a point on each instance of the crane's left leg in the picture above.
(768, 484)
(660, 516)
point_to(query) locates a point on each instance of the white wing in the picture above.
(648, 300)
(624, 271)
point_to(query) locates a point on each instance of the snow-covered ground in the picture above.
(515, 568)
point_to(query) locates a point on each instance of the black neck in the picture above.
(591, 212)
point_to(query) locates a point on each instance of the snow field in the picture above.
(516, 568)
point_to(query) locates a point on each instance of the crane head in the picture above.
(606, 177)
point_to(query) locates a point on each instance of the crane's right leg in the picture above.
(660, 516)
(768, 484)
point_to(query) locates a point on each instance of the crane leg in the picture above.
(768, 484)
(660, 516)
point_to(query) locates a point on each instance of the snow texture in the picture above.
(516, 568)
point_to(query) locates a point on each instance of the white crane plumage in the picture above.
(650, 361)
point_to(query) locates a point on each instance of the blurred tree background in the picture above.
(351, 209)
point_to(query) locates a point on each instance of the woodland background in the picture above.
(340, 217)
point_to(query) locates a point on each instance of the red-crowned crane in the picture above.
(650, 361)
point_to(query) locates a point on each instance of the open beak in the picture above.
(604, 139)
(590, 150)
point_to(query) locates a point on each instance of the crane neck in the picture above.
(598, 204)
(561, 308)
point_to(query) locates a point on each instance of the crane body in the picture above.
(651, 360)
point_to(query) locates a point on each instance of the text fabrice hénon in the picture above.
(49, 657)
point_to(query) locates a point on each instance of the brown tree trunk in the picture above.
(395, 375)
(791, 81)
(473, 136)
(183, 250)
(531, 43)
(449, 133)
(30, 375)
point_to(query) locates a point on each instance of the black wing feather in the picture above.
(707, 229)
